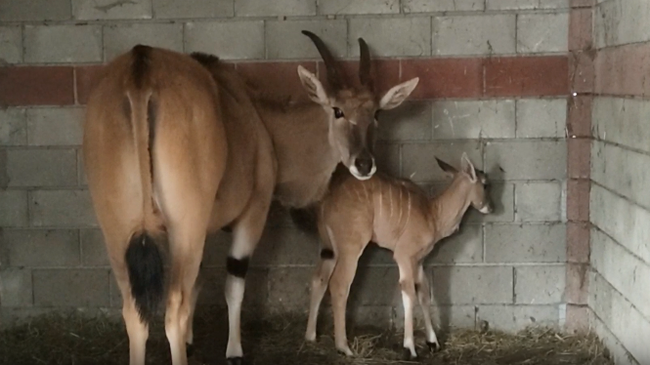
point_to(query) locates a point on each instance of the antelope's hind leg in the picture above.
(137, 329)
(319, 284)
(117, 202)
(247, 233)
(116, 217)
(349, 251)
(423, 290)
(189, 335)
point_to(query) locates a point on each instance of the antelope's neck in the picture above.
(306, 159)
(448, 208)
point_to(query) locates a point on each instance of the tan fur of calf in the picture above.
(399, 216)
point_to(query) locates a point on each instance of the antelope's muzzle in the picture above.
(364, 166)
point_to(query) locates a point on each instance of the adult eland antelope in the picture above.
(310, 138)
(171, 150)
(399, 216)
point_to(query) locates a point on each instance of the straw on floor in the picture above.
(76, 339)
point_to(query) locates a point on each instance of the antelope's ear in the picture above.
(467, 167)
(395, 96)
(447, 168)
(314, 88)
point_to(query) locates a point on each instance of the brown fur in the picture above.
(399, 216)
(308, 143)
(194, 157)
(212, 163)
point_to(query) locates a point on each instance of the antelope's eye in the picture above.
(338, 113)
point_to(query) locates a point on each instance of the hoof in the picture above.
(406, 355)
(189, 350)
(433, 346)
(346, 352)
(235, 361)
(485, 326)
(310, 338)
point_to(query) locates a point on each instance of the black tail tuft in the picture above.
(146, 274)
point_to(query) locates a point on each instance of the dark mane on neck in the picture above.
(269, 99)
(272, 100)
(205, 59)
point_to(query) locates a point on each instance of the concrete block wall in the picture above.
(493, 83)
(619, 204)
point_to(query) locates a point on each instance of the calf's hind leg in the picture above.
(423, 290)
(319, 283)
(344, 271)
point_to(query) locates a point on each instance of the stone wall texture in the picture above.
(497, 80)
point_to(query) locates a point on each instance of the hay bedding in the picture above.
(72, 339)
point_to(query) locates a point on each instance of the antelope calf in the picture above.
(399, 216)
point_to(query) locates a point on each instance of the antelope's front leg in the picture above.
(407, 285)
(423, 290)
(340, 282)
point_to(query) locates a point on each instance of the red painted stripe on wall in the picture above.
(440, 78)
(445, 78)
(526, 76)
(46, 85)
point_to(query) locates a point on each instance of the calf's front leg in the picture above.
(339, 286)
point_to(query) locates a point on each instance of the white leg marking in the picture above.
(408, 324)
(242, 247)
(234, 296)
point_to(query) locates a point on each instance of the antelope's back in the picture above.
(183, 115)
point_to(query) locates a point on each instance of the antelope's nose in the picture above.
(364, 165)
